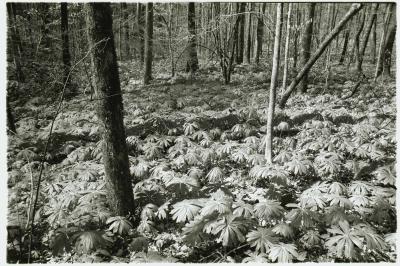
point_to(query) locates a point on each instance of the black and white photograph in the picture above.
(199, 132)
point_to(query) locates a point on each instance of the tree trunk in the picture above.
(260, 34)
(387, 59)
(248, 47)
(387, 40)
(45, 28)
(14, 43)
(286, 64)
(306, 43)
(10, 119)
(192, 62)
(296, 36)
(110, 108)
(125, 24)
(148, 44)
(65, 44)
(352, 11)
(345, 44)
(357, 43)
(274, 81)
(240, 46)
(373, 44)
(140, 31)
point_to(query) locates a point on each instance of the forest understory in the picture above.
(196, 150)
(204, 190)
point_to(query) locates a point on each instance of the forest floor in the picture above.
(194, 142)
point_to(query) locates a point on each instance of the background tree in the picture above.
(328, 39)
(109, 107)
(65, 44)
(148, 44)
(240, 45)
(306, 43)
(192, 62)
(260, 33)
(285, 61)
(274, 82)
(15, 41)
(140, 22)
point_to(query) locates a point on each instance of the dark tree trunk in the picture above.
(364, 43)
(306, 43)
(140, 31)
(192, 63)
(110, 108)
(296, 36)
(357, 43)
(352, 11)
(373, 44)
(345, 44)
(240, 46)
(15, 43)
(65, 43)
(10, 119)
(260, 34)
(385, 53)
(148, 44)
(387, 59)
(248, 47)
(125, 16)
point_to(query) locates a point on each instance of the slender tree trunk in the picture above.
(373, 44)
(248, 47)
(352, 11)
(357, 43)
(192, 63)
(240, 46)
(140, 31)
(306, 43)
(345, 44)
(45, 27)
(110, 108)
(14, 43)
(148, 44)
(296, 36)
(65, 43)
(274, 82)
(125, 15)
(286, 56)
(260, 34)
(370, 24)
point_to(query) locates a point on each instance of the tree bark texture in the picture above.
(260, 33)
(65, 42)
(306, 43)
(274, 82)
(192, 61)
(109, 107)
(148, 44)
(286, 56)
(240, 45)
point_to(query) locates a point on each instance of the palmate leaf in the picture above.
(268, 209)
(162, 210)
(313, 200)
(255, 258)
(262, 239)
(190, 128)
(337, 188)
(300, 216)
(360, 188)
(146, 226)
(283, 253)
(240, 155)
(140, 170)
(359, 200)
(193, 231)
(231, 230)
(334, 215)
(373, 240)
(89, 241)
(119, 224)
(337, 200)
(343, 240)
(283, 156)
(148, 211)
(215, 175)
(386, 175)
(284, 230)
(186, 210)
(225, 149)
(182, 184)
(311, 238)
(219, 202)
(243, 209)
(298, 165)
